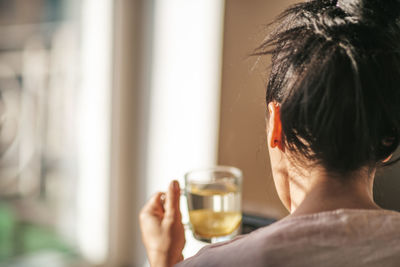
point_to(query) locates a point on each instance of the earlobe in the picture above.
(275, 126)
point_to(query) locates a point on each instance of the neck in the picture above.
(324, 192)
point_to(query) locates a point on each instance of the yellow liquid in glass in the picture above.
(208, 223)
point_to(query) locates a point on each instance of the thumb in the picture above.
(172, 200)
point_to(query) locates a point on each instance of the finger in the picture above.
(177, 198)
(177, 201)
(155, 204)
(172, 200)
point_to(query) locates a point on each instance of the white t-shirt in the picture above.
(342, 237)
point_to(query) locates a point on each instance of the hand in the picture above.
(163, 234)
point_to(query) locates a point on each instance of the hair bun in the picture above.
(371, 11)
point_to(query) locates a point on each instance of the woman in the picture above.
(333, 100)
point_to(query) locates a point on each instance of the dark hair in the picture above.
(336, 75)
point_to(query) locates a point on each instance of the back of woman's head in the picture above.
(336, 75)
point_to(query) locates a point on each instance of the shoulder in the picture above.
(320, 235)
(236, 252)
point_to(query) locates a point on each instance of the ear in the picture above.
(274, 126)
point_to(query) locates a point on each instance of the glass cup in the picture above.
(214, 202)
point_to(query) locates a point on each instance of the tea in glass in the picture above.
(214, 202)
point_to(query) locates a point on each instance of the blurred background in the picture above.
(103, 102)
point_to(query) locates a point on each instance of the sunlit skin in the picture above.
(163, 234)
(305, 190)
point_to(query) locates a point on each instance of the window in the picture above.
(55, 103)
